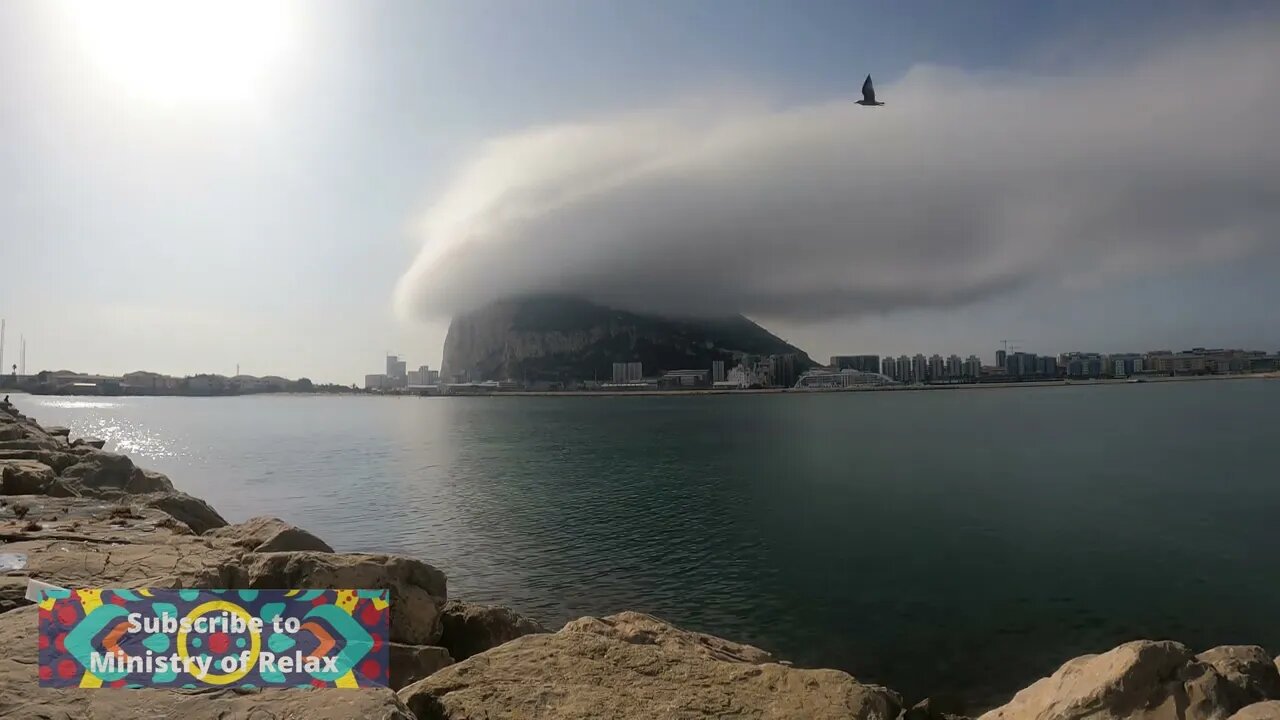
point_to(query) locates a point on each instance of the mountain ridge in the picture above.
(558, 339)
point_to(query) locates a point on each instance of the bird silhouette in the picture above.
(868, 93)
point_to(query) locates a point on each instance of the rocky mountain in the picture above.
(559, 339)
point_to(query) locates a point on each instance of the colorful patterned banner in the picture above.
(213, 638)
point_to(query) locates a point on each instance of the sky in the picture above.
(296, 188)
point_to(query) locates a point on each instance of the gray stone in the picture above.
(471, 629)
(92, 442)
(57, 431)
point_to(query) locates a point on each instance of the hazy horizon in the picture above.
(298, 188)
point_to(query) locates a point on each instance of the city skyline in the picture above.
(209, 209)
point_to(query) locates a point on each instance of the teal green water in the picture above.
(953, 543)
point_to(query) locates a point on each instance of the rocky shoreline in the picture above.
(85, 517)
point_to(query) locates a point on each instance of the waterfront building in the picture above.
(936, 370)
(973, 367)
(889, 368)
(685, 378)
(1048, 366)
(904, 369)
(627, 372)
(780, 370)
(955, 366)
(397, 376)
(832, 379)
(1000, 358)
(433, 377)
(919, 368)
(744, 376)
(865, 363)
(376, 381)
(717, 371)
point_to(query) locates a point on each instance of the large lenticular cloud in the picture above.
(961, 187)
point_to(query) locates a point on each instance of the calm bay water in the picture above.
(958, 544)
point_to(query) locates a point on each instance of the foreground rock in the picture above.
(1142, 680)
(1269, 710)
(191, 511)
(469, 629)
(640, 629)
(1250, 672)
(21, 697)
(579, 674)
(418, 590)
(411, 663)
(269, 534)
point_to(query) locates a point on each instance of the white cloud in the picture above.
(963, 186)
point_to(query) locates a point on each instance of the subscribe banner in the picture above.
(213, 638)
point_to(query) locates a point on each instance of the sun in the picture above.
(185, 51)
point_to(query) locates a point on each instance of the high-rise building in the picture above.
(433, 377)
(780, 370)
(1000, 358)
(627, 372)
(919, 368)
(717, 371)
(1048, 366)
(973, 367)
(397, 376)
(904, 369)
(889, 368)
(937, 369)
(863, 363)
(955, 366)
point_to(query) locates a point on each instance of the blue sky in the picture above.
(146, 227)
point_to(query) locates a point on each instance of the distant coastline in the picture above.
(867, 389)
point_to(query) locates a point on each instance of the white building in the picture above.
(628, 372)
(825, 378)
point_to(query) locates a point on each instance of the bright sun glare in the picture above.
(185, 51)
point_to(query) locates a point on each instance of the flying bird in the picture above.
(868, 93)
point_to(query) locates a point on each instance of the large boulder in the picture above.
(59, 461)
(21, 697)
(469, 629)
(583, 675)
(32, 442)
(1140, 680)
(418, 590)
(25, 477)
(100, 471)
(411, 663)
(1250, 671)
(641, 629)
(1269, 710)
(269, 534)
(91, 442)
(57, 431)
(194, 512)
(12, 431)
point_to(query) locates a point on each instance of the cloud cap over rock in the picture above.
(964, 186)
